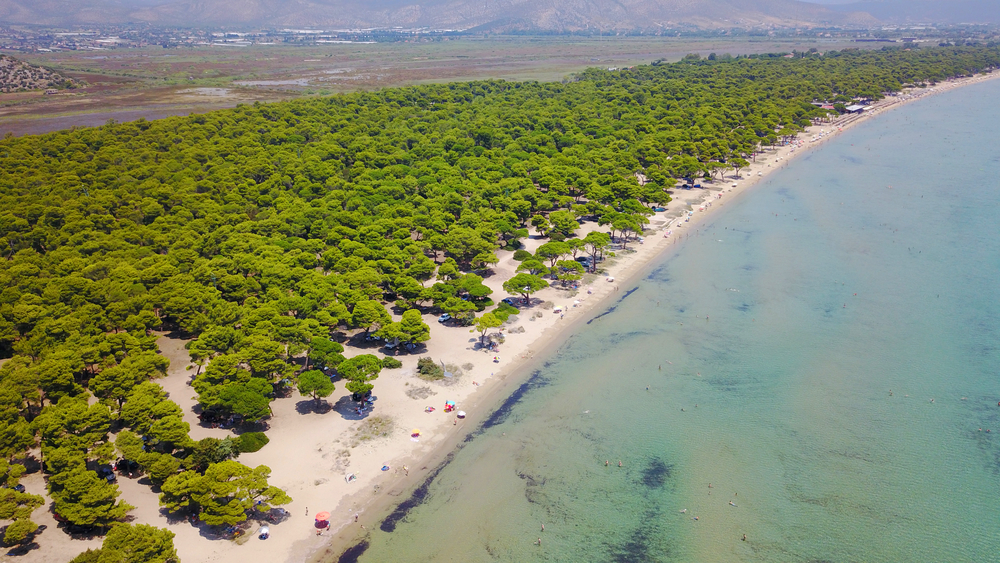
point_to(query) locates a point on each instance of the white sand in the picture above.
(306, 449)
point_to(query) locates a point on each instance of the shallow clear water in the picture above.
(825, 289)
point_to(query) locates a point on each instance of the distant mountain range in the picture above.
(486, 15)
(498, 15)
(927, 11)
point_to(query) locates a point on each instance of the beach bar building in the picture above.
(856, 108)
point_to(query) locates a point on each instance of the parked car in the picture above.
(106, 472)
(508, 301)
(444, 318)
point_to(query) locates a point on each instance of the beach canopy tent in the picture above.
(322, 516)
(265, 533)
(415, 432)
(460, 414)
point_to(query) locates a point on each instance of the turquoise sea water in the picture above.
(825, 289)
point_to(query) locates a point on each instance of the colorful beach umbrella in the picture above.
(322, 516)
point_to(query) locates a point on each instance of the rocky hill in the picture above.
(492, 15)
(18, 76)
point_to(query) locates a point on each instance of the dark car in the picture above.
(107, 472)
(508, 301)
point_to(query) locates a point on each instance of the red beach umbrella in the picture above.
(322, 516)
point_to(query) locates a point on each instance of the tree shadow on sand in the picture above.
(311, 406)
(22, 549)
(348, 409)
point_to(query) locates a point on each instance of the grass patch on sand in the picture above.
(373, 428)
(420, 393)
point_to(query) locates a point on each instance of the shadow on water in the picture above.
(354, 552)
(416, 499)
(644, 545)
(656, 473)
(420, 494)
(614, 307)
(502, 413)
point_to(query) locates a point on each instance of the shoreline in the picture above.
(314, 444)
(627, 271)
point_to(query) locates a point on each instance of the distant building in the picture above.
(855, 108)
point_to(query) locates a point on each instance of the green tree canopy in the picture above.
(224, 494)
(524, 285)
(486, 322)
(315, 384)
(359, 371)
(88, 500)
(135, 543)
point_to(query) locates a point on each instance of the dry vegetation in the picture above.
(18, 76)
(125, 84)
(373, 428)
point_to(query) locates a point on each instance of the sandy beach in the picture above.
(314, 446)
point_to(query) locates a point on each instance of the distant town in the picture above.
(43, 39)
